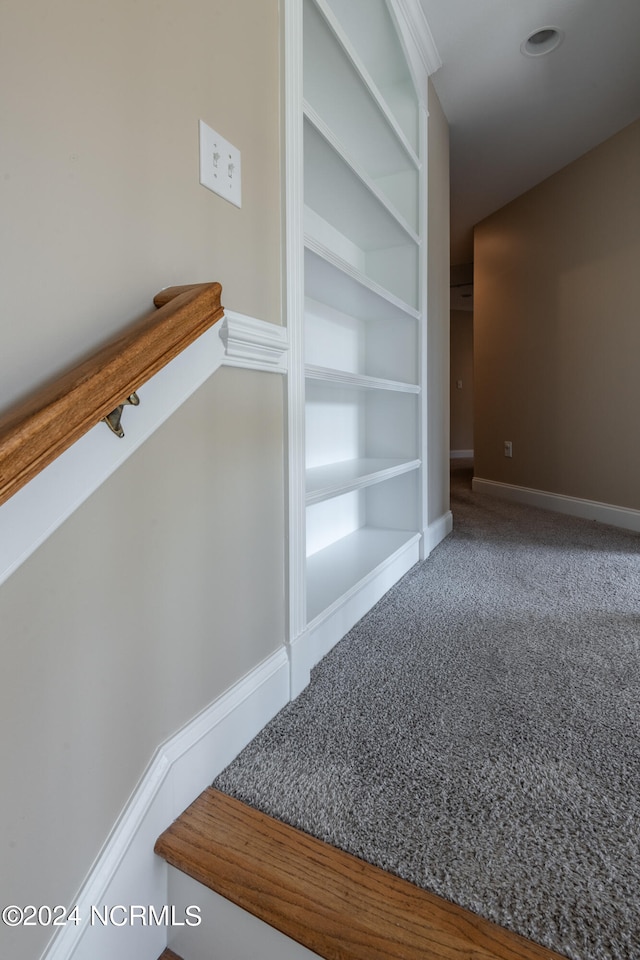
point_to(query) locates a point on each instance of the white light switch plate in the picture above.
(220, 165)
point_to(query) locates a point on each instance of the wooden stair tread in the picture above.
(340, 907)
(169, 955)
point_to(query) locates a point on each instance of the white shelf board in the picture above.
(335, 479)
(368, 81)
(378, 45)
(348, 176)
(337, 193)
(331, 280)
(336, 572)
(359, 380)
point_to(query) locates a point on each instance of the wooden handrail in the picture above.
(41, 427)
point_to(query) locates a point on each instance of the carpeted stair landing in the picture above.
(478, 732)
(332, 903)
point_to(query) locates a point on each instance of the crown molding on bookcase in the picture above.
(420, 46)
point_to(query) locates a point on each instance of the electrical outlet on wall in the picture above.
(220, 165)
(508, 448)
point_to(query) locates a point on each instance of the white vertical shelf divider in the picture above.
(422, 336)
(356, 216)
(292, 27)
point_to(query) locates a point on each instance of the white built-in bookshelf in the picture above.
(363, 199)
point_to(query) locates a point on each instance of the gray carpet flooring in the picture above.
(478, 732)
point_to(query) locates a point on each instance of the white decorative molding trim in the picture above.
(461, 454)
(437, 531)
(253, 344)
(420, 46)
(624, 517)
(40, 507)
(127, 871)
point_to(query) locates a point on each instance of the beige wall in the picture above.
(101, 204)
(461, 398)
(557, 338)
(141, 609)
(147, 603)
(438, 311)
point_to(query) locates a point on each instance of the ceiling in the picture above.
(514, 120)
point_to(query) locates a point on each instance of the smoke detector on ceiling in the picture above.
(542, 41)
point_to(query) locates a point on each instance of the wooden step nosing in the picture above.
(168, 954)
(331, 902)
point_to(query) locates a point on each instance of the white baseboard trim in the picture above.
(330, 626)
(127, 871)
(300, 663)
(437, 531)
(39, 508)
(573, 506)
(461, 454)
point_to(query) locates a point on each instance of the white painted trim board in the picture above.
(40, 507)
(624, 517)
(437, 531)
(127, 871)
(293, 174)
